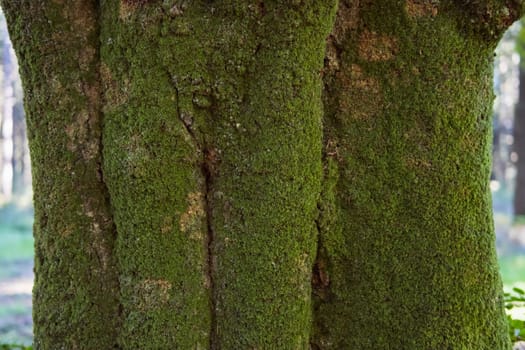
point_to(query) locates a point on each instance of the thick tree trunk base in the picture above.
(202, 181)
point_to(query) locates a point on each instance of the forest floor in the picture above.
(16, 283)
(16, 274)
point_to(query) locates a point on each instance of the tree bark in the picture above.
(76, 292)
(212, 186)
(407, 253)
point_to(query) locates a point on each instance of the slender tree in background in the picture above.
(519, 132)
(262, 174)
(15, 173)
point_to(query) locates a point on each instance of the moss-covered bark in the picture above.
(152, 166)
(76, 286)
(204, 120)
(212, 156)
(266, 175)
(407, 258)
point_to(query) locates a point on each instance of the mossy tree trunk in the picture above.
(204, 181)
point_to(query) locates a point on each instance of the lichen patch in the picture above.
(303, 275)
(153, 294)
(98, 228)
(417, 163)
(347, 18)
(332, 58)
(78, 136)
(377, 47)
(126, 9)
(115, 95)
(192, 220)
(422, 8)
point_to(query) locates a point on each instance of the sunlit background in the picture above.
(16, 212)
(508, 169)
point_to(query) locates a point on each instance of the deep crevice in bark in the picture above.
(207, 171)
(102, 178)
(320, 278)
(114, 231)
(207, 166)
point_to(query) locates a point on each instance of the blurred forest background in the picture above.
(16, 212)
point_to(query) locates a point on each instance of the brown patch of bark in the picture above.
(376, 47)
(153, 294)
(416, 9)
(347, 19)
(363, 97)
(192, 220)
(115, 95)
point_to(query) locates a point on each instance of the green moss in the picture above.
(233, 96)
(267, 132)
(411, 253)
(76, 286)
(211, 149)
(152, 168)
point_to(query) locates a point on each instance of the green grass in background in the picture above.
(15, 309)
(16, 254)
(16, 236)
(512, 268)
(15, 347)
(15, 245)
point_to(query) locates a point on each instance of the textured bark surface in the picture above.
(76, 287)
(193, 204)
(407, 249)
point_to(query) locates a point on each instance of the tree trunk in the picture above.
(407, 253)
(178, 160)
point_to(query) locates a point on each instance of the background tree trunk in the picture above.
(519, 147)
(519, 131)
(178, 162)
(14, 163)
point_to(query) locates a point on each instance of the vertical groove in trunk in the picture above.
(410, 251)
(211, 258)
(206, 167)
(248, 96)
(153, 163)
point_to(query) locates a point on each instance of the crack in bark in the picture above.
(186, 119)
(208, 169)
(102, 178)
(320, 278)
